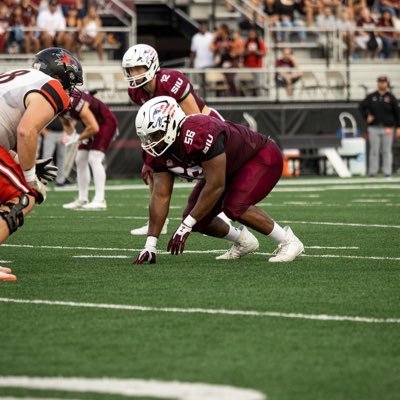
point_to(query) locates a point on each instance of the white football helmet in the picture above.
(138, 56)
(157, 124)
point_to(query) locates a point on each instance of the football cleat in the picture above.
(7, 277)
(95, 205)
(246, 243)
(289, 249)
(75, 205)
(144, 229)
(5, 270)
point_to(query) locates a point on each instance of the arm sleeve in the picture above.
(55, 95)
(217, 149)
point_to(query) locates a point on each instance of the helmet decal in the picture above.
(60, 64)
(157, 124)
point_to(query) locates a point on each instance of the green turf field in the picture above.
(326, 326)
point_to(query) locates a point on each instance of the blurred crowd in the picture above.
(348, 24)
(367, 27)
(28, 26)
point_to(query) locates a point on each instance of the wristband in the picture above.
(189, 221)
(30, 174)
(151, 241)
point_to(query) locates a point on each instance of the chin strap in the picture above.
(15, 217)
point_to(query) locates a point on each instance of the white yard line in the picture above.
(377, 258)
(215, 251)
(134, 387)
(31, 246)
(247, 313)
(283, 185)
(384, 226)
(86, 217)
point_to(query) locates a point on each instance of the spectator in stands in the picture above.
(381, 111)
(389, 38)
(16, 35)
(253, 15)
(333, 5)
(73, 21)
(51, 23)
(53, 147)
(273, 21)
(100, 126)
(355, 7)
(66, 5)
(227, 54)
(253, 57)
(312, 8)
(286, 10)
(366, 38)
(346, 27)
(91, 33)
(29, 16)
(4, 26)
(287, 73)
(201, 55)
(327, 24)
(390, 5)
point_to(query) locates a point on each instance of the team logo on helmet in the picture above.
(65, 59)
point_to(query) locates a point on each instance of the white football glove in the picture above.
(71, 139)
(176, 244)
(148, 254)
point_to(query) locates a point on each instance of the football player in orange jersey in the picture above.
(29, 99)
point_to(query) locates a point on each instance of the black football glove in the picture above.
(46, 172)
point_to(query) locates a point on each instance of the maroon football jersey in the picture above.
(198, 135)
(100, 110)
(168, 83)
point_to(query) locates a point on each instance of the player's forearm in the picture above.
(158, 212)
(208, 198)
(27, 145)
(88, 132)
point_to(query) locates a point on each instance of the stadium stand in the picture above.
(169, 25)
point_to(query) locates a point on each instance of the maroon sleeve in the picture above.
(173, 83)
(199, 133)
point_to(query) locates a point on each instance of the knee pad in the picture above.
(15, 217)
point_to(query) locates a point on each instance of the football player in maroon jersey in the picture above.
(236, 169)
(29, 100)
(100, 126)
(146, 79)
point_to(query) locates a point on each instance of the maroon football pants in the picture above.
(246, 187)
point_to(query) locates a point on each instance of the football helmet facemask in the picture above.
(140, 55)
(60, 64)
(157, 124)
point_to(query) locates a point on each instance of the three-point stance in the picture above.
(236, 168)
(29, 100)
(147, 80)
